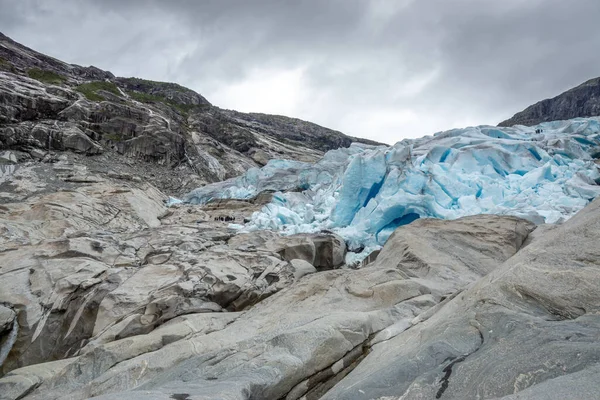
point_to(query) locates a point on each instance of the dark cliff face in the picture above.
(581, 101)
(164, 132)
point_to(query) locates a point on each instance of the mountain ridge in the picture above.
(581, 101)
(146, 127)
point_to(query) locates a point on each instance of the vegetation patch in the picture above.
(146, 85)
(153, 98)
(6, 65)
(185, 108)
(115, 137)
(46, 76)
(90, 90)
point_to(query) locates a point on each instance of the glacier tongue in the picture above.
(544, 173)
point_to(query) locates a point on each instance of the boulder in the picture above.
(323, 250)
(427, 247)
(296, 248)
(330, 251)
(8, 157)
(302, 268)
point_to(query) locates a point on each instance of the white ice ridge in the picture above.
(544, 173)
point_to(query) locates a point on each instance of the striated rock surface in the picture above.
(106, 293)
(579, 102)
(86, 259)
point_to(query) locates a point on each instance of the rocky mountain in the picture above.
(462, 265)
(581, 101)
(162, 132)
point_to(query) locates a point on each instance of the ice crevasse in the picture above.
(544, 173)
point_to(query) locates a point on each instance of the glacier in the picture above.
(544, 173)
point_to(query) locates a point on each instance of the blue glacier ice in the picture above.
(364, 193)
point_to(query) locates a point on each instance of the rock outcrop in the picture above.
(140, 126)
(112, 292)
(108, 293)
(579, 102)
(528, 330)
(100, 259)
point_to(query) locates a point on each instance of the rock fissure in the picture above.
(314, 386)
(445, 380)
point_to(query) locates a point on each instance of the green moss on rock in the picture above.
(46, 76)
(153, 98)
(90, 90)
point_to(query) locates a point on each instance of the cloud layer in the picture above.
(382, 69)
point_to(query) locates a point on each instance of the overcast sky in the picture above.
(381, 69)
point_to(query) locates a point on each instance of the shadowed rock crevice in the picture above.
(9, 330)
(318, 384)
(445, 380)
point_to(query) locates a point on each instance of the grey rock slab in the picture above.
(520, 331)
(93, 264)
(582, 384)
(16, 385)
(454, 253)
(8, 157)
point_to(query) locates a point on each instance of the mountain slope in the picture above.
(581, 101)
(162, 132)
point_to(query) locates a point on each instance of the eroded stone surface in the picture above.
(528, 330)
(296, 342)
(107, 293)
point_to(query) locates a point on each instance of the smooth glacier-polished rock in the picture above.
(297, 342)
(100, 260)
(528, 330)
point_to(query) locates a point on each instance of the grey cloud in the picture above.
(438, 63)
